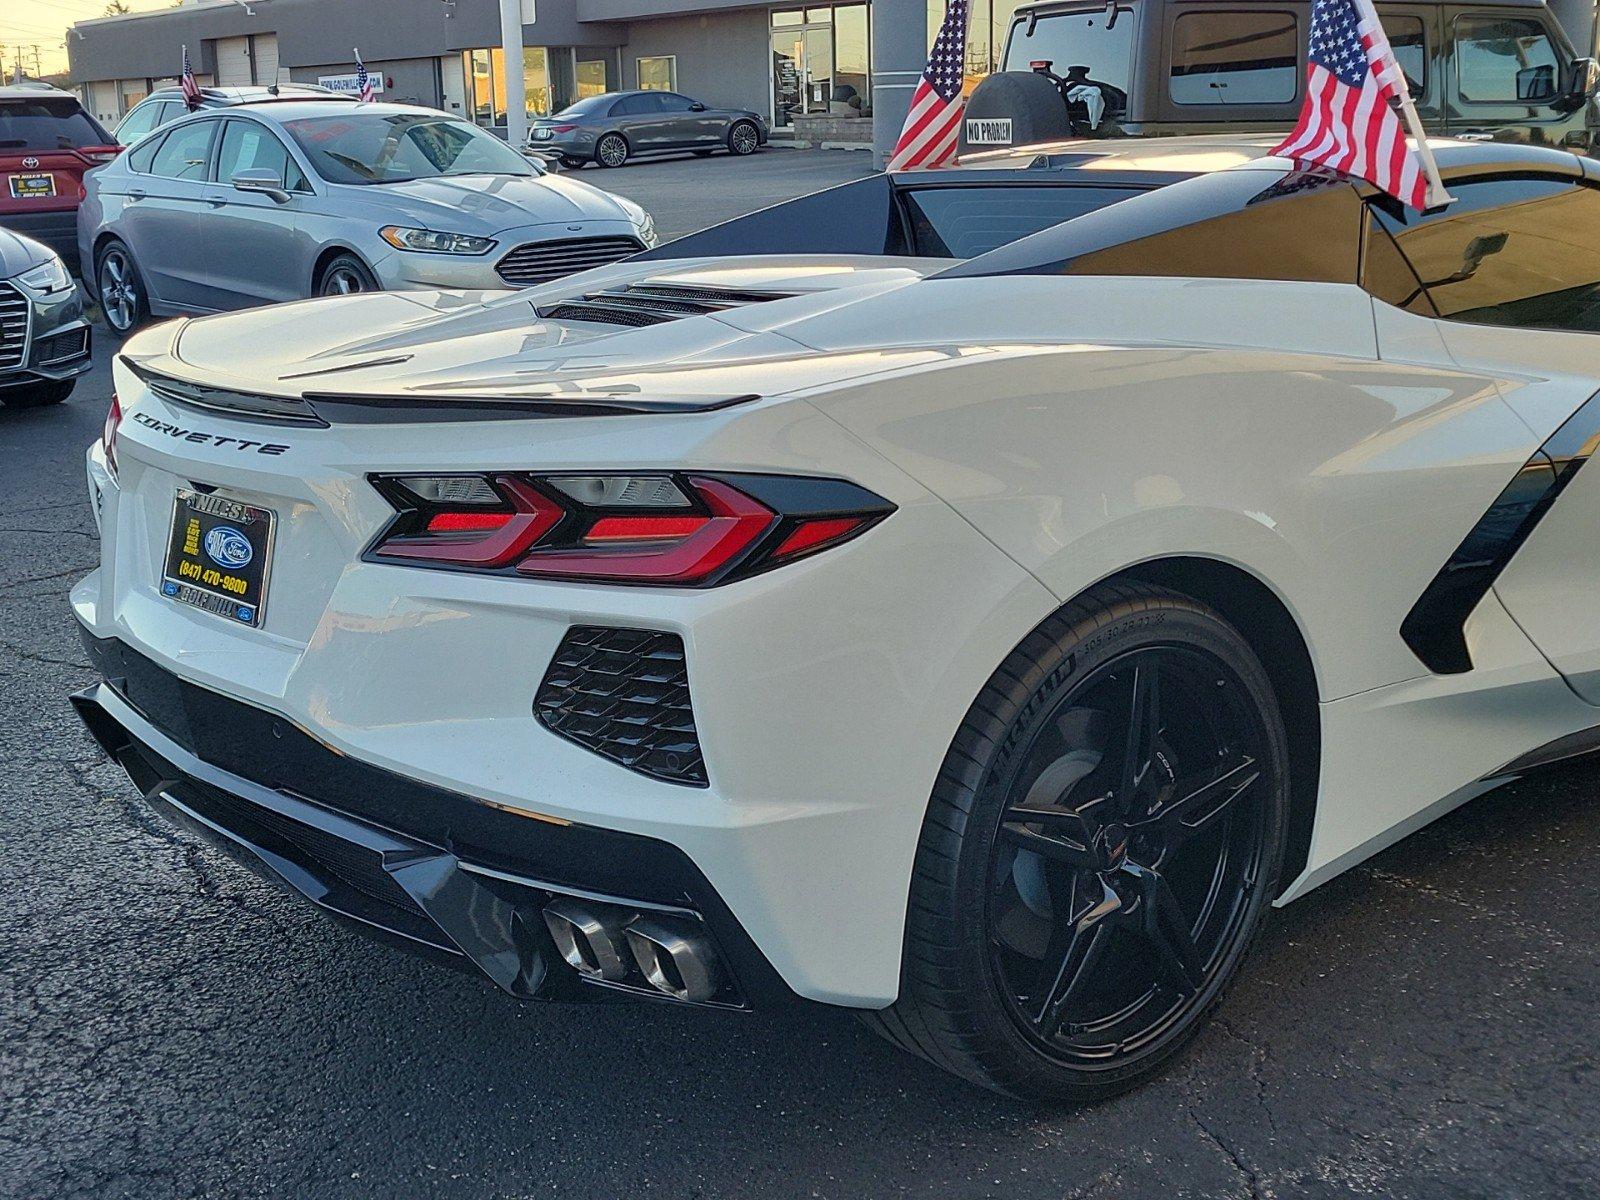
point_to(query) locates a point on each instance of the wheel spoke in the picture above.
(1065, 851)
(1144, 725)
(1201, 799)
(1168, 931)
(1076, 946)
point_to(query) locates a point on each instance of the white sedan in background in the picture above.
(284, 198)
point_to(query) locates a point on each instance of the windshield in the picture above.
(1084, 49)
(47, 125)
(589, 106)
(374, 148)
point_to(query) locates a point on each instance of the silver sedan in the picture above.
(262, 203)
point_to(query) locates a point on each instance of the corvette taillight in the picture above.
(108, 434)
(661, 529)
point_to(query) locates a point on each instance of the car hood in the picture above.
(18, 253)
(489, 204)
(438, 349)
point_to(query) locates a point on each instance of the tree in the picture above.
(116, 8)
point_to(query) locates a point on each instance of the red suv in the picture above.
(47, 142)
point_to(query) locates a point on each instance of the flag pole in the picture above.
(1437, 196)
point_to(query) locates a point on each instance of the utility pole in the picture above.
(516, 75)
(38, 71)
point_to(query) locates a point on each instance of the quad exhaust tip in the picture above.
(675, 961)
(609, 944)
(589, 938)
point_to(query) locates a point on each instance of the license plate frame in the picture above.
(542, 135)
(21, 191)
(218, 556)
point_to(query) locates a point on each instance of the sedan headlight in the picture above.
(430, 241)
(47, 278)
(643, 222)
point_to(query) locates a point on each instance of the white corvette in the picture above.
(983, 645)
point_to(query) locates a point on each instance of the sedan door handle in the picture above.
(137, 193)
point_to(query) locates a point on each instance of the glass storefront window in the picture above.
(986, 32)
(592, 78)
(658, 73)
(821, 62)
(486, 83)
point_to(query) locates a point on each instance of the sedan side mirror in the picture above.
(1583, 81)
(697, 107)
(262, 180)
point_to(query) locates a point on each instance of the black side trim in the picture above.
(1574, 745)
(1435, 628)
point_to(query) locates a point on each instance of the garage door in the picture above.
(103, 101)
(233, 62)
(267, 70)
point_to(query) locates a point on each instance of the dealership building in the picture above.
(832, 74)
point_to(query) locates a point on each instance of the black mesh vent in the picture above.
(624, 694)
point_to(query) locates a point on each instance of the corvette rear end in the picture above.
(496, 681)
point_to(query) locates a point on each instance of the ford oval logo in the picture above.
(229, 548)
(29, 163)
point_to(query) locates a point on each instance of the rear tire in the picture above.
(743, 139)
(119, 288)
(1096, 860)
(39, 394)
(612, 151)
(346, 275)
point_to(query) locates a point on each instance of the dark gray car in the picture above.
(613, 128)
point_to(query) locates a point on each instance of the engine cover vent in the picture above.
(641, 304)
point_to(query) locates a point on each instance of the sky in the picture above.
(25, 24)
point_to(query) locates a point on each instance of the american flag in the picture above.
(191, 89)
(1358, 108)
(363, 80)
(933, 126)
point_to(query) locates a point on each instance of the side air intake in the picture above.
(624, 694)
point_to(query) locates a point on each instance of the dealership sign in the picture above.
(348, 83)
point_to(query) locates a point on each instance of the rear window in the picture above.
(1086, 49)
(48, 125)
(592, 106)
(1235, 58)
(964, 222)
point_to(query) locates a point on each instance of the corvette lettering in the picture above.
(179, 433)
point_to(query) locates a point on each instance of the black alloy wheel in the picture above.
(1099, 853)
(611, 150)
(743, 138)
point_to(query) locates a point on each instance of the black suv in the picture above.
(1503, 71)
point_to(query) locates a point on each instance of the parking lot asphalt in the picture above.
(1423, 1027)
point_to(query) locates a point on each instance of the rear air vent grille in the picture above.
(541, 262)
(624, 694)
(643, 304)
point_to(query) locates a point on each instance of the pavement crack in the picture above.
(1245, 1170)
(1256, 1069)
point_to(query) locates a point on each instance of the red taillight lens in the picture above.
(108, 434)
(664, 529)
(489, 531)
(100, 154)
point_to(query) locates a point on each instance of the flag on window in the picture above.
(191, 89)
(363, 80)
(1358, 110)
(932, 133)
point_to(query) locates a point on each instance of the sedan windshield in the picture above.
(398, 147)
